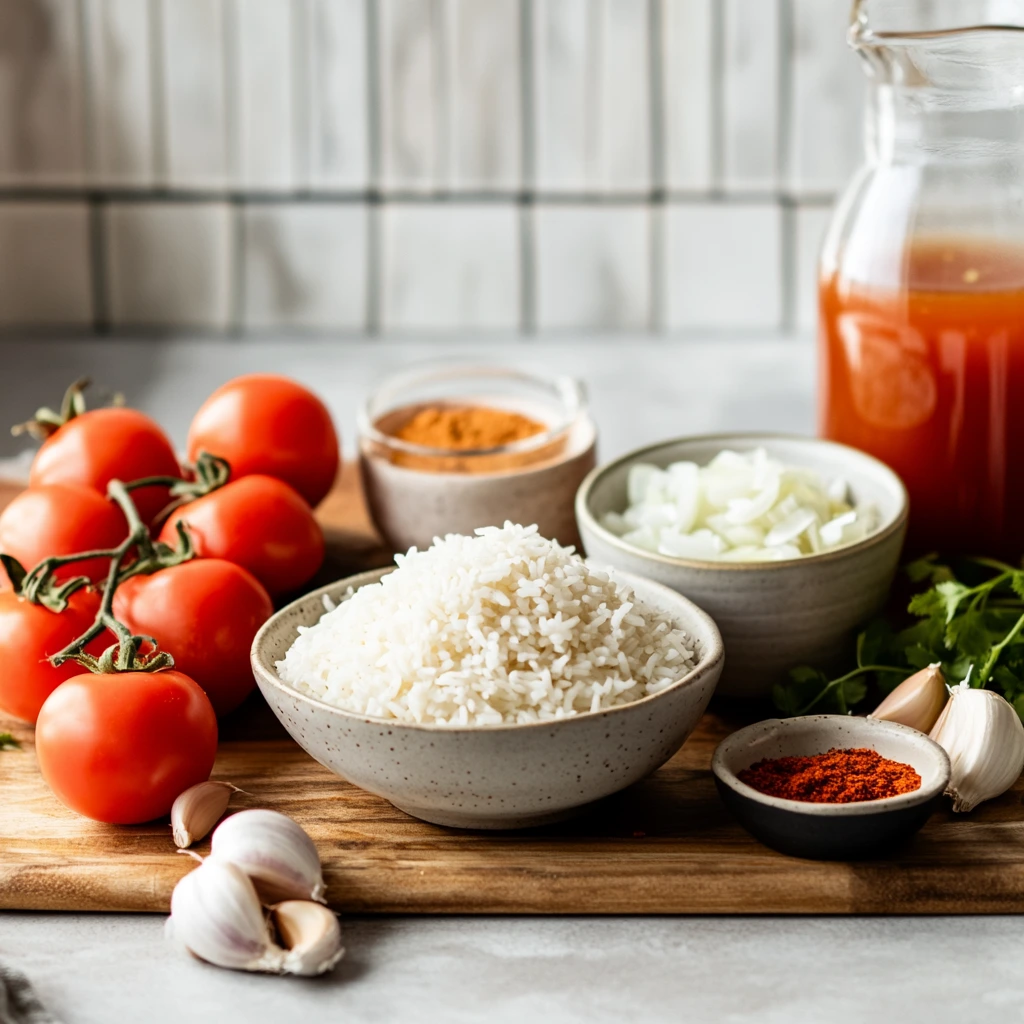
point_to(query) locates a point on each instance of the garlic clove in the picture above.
(917, 701)
(216, 914)
(311, 935)
(198, 809)
(984, 738)
(274, 852)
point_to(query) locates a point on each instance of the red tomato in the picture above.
(205, 614)
(265, 424)
(29, 634)
(107, 444)
(120, 747)
(62, 519)
(259, 523)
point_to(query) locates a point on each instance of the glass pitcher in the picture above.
(921, 287)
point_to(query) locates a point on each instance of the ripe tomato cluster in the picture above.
(179, 560)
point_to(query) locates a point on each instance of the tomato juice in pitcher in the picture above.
(921, 290)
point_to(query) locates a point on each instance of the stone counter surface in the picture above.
(107, 969)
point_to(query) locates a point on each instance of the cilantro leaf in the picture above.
(928, 568)
(943, 599)
(972, 634)
(8, 742)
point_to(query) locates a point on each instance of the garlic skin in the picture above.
(984, 738)
(197, 810)
(216, 914)
(274, 852)
(917, 701)
(311, 935)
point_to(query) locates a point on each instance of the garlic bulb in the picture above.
(984, 738)
(198, 809)
(274, 852)
(917, 701)
(310, 933)
(216, 914)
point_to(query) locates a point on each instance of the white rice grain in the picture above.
(503, 627)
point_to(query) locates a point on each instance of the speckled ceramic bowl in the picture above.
(830, 831)
(773, 615)
(508, 776)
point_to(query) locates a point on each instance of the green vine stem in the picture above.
(211, 472)
(838, 683)
(125, 655)
(47, 421)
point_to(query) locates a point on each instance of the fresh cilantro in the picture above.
(8, 742)
(969, 621)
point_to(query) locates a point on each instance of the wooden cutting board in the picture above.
(666, 845)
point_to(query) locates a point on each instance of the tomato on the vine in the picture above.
(205, 613)
(259, 523)
(262, 423)
(61, 519)
(101, 445)
(120, 747)
(29, 634)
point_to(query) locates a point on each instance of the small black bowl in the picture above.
(830, 831)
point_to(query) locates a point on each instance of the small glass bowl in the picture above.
(557, 402)
(417, 492)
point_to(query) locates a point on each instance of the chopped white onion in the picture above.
(741, 507)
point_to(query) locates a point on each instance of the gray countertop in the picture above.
(113, 968)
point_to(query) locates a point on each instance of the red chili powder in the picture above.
(835, 777)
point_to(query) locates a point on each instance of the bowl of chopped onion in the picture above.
(789, 543)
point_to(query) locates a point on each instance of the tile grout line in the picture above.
(788, 275)
(232, 67)
(95, 247)
(659, 177)
(717, 99)
(527, 242)
(158, 89)
(374, 254)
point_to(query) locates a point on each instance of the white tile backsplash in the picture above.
(45, 278)
(305, 266)
(194, 91)
(723, 265)
(423, 164)
(811, 223)
(687, 106)
(828, 90)
(169, 264)
(483, 61)
(413, 122)
(42, 137)
(750, 94)
(119, 58)
(592, 266)
(591, 108)
(264, 100)
(332, 113)
(448, 266)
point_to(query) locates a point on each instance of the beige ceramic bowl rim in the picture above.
(708, 661)
(585, 517)
(911, 737)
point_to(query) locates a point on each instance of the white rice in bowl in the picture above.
(501, 628)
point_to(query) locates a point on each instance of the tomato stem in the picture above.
(124, 655)
(47, 422)
(211, 472)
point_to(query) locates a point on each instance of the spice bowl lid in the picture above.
(830, 830)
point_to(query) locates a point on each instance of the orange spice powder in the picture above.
(835, 777)
(470, 433)
(467, 428)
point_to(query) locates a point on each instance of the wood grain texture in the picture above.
(666, 845)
